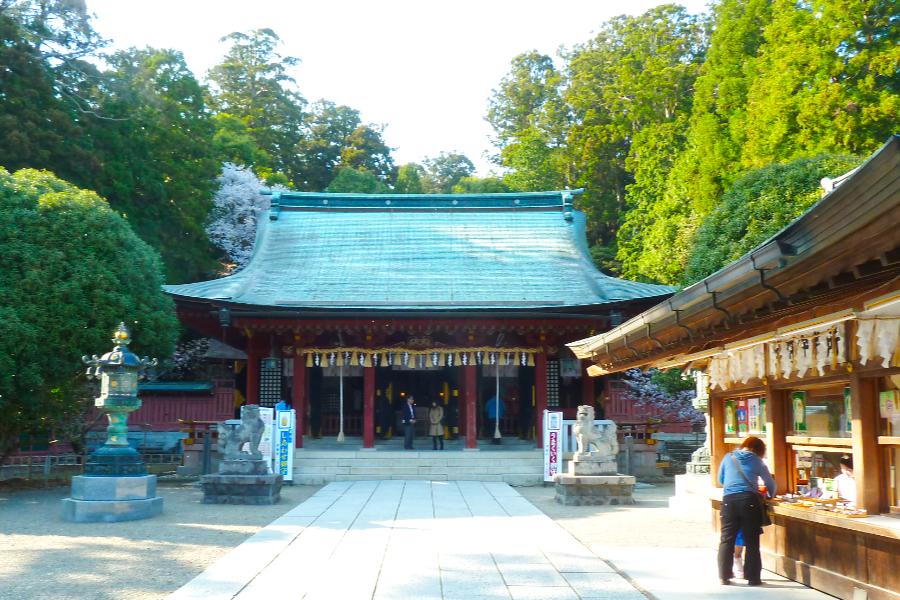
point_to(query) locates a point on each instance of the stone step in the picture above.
(511, 479)
(516, 467)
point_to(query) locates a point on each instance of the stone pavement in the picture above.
(417, 540)
(690, 573)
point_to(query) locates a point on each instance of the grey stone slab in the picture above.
(519, 592)
(569, 563)
(532, 557)
(532, 575)
(86, 487)
(464, 589)
(467, 562)
(110, 511)
(602, 585)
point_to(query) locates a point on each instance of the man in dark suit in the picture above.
(409, 423)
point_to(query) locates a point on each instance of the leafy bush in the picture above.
(71, 268)
(758, 205)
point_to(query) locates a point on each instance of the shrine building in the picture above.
(351, 302)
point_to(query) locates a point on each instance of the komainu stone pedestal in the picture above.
(592, 476)
(241, 482)
(112, 498)
(592, 480)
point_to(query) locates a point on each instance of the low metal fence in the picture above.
(29, 466)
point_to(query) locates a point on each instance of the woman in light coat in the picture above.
(436, 425)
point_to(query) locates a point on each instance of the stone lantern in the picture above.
(115, 485)
(118, 371)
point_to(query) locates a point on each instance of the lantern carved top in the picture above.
(120, 356)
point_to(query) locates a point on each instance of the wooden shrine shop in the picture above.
(798, 341)
(352, 302)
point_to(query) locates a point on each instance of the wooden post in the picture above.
(779, 458)
(587, 384)
(253, 358)
(866, 453)
(368, 407)
(716, 436)
(540, 393)
(470, 390)
(299, 396)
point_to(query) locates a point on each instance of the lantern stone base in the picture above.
(122, 461)
(110, 499)
(241, 482)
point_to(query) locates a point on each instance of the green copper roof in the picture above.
(420, 252)
(175, 386)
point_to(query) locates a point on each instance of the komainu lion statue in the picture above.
(586, 436)
(250, 431)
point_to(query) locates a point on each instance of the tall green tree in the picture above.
(481, 185)
(445, 171)
(337, 138)
(718, 125)
(38, 128)
(637, 74)
(61, 33)
(530, 122)
(155, 148)
(252, 84)
(409, 179)
(350, 180)
(71, 268)
(827, 80)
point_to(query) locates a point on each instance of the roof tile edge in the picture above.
(505, 201)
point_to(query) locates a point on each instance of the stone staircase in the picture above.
(514, 462)
(680, 454)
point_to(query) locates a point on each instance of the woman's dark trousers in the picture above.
(740, 512)
(434, 442)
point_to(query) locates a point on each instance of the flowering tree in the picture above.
(236, 208)
(654, 392)
(186, 360)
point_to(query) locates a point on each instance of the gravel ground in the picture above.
(42, 556)
(648, 523)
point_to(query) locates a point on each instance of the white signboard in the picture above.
(285, 430)
(553, 422)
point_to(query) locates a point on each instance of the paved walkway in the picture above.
(690, 573)
(422, 540)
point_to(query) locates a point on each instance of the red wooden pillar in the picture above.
(461, 405)
(299, 396)
(587, 384)
(540, 396)
(253, 358)
(368, 407)
(470, 391)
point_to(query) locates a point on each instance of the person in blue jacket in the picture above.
(739, 474)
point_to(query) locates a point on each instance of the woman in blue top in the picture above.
(739, 474)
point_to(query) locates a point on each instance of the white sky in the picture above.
(424, 68)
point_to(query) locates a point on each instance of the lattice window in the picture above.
(552, 383)
(270, 390)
